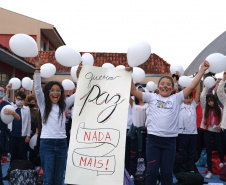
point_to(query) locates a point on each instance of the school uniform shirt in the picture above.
(162, 114)
(222, 97)
(54, 127)
(139, 114)
(187, 118)
(26, 120)
(129, 118)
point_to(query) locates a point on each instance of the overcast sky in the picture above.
(177, 30)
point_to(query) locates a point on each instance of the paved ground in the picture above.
(213, 181)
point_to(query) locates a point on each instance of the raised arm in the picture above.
(133, 90)
(197, 93)
(175, 80)
(196, 80)
(37, 84)
(220, 90)
(203, 97)
(8, 89)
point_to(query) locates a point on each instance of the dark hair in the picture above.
(168, 77)
(3, 86)
(215, 108)
(21, 94)
(48, 103)
(29, 98)
(190, 95)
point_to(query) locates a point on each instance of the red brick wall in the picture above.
(6, 68)
(4, 39)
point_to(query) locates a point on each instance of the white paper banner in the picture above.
(97, 143)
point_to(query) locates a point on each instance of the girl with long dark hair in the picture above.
(212, 117)
(53, 145)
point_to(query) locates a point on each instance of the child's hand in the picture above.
(218, 80)
(8, 111)
(38, 62)
(9, 87)
(128, 68)
(27, 139)
(205, 65)
(218, 127)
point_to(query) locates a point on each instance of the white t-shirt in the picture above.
(129, 119)
(187, 118)
(162, 114)
(139, 114)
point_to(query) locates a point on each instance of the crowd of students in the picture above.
(160, 125)
(46, 112)
(173, 115)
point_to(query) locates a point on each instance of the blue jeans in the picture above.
(53, 154)
(160, 153)
(213, 138)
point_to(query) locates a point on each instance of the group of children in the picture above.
(165, 121)
(172, 129)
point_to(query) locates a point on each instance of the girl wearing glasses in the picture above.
(53, 145)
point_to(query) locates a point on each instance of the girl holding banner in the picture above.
(162, 125)
(53, 145)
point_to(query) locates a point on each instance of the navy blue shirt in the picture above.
(17, 125)
(2, 124)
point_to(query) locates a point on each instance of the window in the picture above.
(4, 78)
(43, 45)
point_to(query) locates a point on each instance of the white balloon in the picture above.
(120, 67)
(219, 75)
(184, 81)
(209, 81)
(67, 56)
(16, 83)
(108, 65)
(73, 73)
(26, 83)
(138, 74)
(138, 53)
(47, 70)
(23, 45)
(33, 141)
(217, 62)
(87, 59)
(7, 118)
(151, 86)
(68, 84)
(31, 85)
(207, 71)
(176, 67)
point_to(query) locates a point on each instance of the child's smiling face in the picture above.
(165, 87)
(55, 93)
